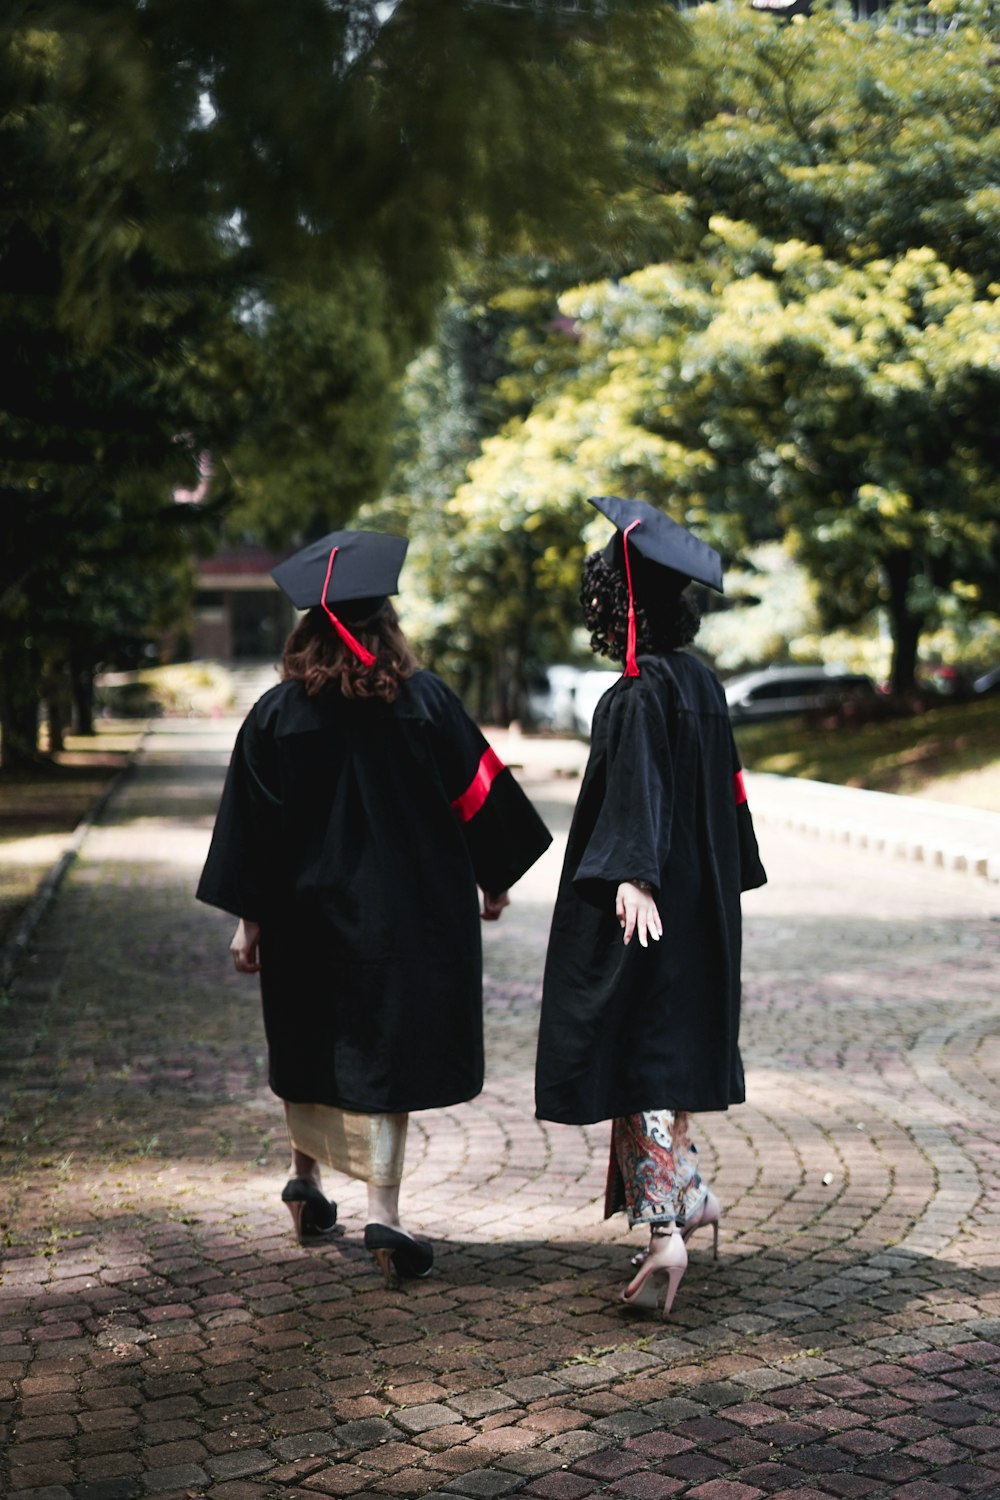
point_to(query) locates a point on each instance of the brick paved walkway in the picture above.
(161, 1333)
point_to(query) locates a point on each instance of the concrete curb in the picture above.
(940, 834)
(948, 837)
(16, 943)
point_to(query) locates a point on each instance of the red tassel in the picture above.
(361, 652)
(631, 665)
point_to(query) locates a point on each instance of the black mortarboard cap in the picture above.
(365, 566)
(659, 541)
(353, 569)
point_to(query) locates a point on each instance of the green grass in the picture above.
(41, 805)
(951, 752)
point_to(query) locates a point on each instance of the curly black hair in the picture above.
(666, 617)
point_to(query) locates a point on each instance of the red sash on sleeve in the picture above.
(478, 789)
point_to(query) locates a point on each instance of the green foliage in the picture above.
(765, 391)
(852, 406)
(225, 229)
(316, 396)
(867, 138)
(817, 365)
(97, 424)
(772, 615)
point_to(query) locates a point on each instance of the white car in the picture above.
(590, 689)
(551, 699)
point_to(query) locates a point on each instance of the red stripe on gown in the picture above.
(739, 790)
(478, 789)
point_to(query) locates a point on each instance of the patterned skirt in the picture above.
(653, 1170)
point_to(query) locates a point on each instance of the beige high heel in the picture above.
(664, 1266)
(708, 1215)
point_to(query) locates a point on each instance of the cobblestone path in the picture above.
(162, 1334)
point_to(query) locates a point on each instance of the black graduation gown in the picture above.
(356, 833)
(625, 1029)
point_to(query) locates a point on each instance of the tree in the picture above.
(473, 594)
(90, 444)
(852, 408)
(769, 392)
(816, 362)
(226, 228)
(866, 138)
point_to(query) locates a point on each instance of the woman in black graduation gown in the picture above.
(645, 1032)
(361, 809)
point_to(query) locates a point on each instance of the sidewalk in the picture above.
(161, 1334)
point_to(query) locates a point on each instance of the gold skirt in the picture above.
(368, 1147)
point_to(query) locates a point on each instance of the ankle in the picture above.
(383, 1205)
(304, 1166)
(311, 1175)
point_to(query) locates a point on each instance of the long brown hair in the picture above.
(315, 655)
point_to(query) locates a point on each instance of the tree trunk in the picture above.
(519, 687)
(56, 718)
(82, 685)
(483, 688)
(504, 688)
(904, 625)
(19, 704)
(56, 693)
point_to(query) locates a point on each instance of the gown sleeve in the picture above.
(630, 836)
(242, 871)
(752, 872)
(503, 833)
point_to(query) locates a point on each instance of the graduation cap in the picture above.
(668, 554)
(356, 568)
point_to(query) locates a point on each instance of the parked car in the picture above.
(777, 692)
(551, 699)
(989, 682)
(590, 689)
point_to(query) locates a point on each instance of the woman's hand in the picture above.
(245, 947)
(494, 905)
(637, 912)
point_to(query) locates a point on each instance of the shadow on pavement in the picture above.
(206, 1350)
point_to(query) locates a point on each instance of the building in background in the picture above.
(239, 612)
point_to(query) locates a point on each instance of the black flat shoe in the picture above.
(314, 1216)
(398, 1254)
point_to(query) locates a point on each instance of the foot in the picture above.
(660, 1273)
(313, 1214)
(707, 1216)
(398, 1253)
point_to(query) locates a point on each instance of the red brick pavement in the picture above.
(162, 1335)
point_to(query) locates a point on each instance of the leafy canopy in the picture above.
(225, 229)
(817, 361)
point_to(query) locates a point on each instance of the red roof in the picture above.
(230, 560)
